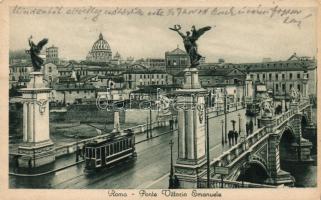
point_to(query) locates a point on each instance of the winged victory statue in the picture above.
(34, 52)
(189, 41)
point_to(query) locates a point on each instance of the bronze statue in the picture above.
(34, 52)
(190, 42)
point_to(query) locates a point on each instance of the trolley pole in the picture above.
(171, 175)
(225, 114)
(150, 122)
(207, 149)
(147, 135)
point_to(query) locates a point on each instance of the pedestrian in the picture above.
(16, 163)
(251, 126)
(230, 135)
(171, 124)
(30, 163)
(236, 135)
(247, 128)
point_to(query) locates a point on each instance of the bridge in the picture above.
(259, 150)
(257, 155)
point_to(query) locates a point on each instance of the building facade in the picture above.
(141, 78)
(176, 61)
(52, 55)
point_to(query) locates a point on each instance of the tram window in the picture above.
(98, 153)
(117, 147)
(107, 150)
(89, 152)
(121, 145)
(111, 149)
(124, 144)
(93, 152)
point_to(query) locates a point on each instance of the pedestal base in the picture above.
(36, 154)
(189, 172)
(191, 80)
(282, 178)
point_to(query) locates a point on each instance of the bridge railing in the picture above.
(217, 183)
(280, 119)
(230, 155)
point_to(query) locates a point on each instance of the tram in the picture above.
(102, 153)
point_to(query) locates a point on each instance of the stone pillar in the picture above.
(191, 162)
(277, 176)
(301, 148)
(283, 105)
(181, 135)
(25, 122)
(305, 89)
(116, 122)
(37, 147)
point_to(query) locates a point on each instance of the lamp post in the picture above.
(239, 115)
(225, 116)
(222, 121)
(171, 174)
(147, 135)
(77, 149)
(150, 122)
(207, 148)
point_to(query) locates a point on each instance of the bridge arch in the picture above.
(255, 172)
(286, 141)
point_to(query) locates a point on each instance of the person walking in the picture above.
(251, 126)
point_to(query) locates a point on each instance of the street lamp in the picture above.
(77, 149)
(147, 135)
(225, 116)
(171, 174)
(207, 147)
(239, 115)
(222, 121)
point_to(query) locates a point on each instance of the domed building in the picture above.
(100, 52)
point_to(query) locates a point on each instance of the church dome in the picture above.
(101, 45)
(100, 51)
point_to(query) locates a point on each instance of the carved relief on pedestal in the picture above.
(42, 105)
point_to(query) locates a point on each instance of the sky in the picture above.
(237, 39)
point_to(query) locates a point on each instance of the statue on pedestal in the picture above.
(294, 95)
(267, 109)
(34, 52)
(190, 42)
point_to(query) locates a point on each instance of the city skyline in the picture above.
(229, 39)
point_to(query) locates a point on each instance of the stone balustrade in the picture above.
(217, 183)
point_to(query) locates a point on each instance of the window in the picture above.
(283, 87)
(283, 76)
(290, 86)
(263, 76)
(277, 87)
(298, 76)
(258, 76)
(107, 150)
(307, 75)
(98, 153)
(290, 76)
(276, 76)
(270, 76)
(299, 88)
